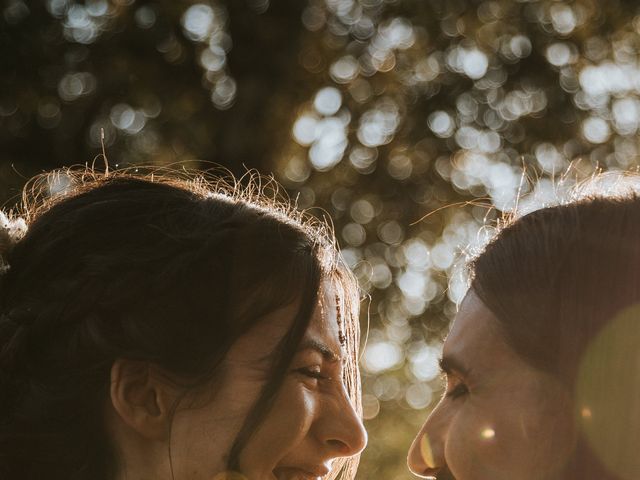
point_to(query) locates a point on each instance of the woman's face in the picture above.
(500, 418)
(311, 424)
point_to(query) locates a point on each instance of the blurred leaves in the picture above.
(156, 76)
(411, 122)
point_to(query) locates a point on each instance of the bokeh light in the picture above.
(411, 125)
(205, 23)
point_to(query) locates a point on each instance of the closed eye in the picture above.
(311, 372)
(456, 392)
(453, 371)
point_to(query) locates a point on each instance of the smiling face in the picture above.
(500, 418)
(311, 424)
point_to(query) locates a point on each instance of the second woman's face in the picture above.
(499, 418)
(311, 424)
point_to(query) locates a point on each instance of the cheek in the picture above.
(539, 428)
(489, 443)
(205, 426)
(201, 441)
(548, 434)
(294, 410)
(288, 422)
(507, 439)
(473, 449)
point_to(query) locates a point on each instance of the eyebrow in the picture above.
(449, 364)
(327, 352)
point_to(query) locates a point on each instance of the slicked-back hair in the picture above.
(555, 279)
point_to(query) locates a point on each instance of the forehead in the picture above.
(475, 335)
(263, 338)
(324, 322)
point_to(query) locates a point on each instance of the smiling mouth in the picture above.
(295, 473)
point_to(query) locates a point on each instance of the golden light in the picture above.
(426, 452)
(488, 433)
(607, 394)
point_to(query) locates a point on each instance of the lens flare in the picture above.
(608, 394)
(488, 433)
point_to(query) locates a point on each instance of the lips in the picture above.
(300, 473)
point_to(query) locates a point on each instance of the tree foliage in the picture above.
(385, 114)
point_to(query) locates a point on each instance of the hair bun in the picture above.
(12, 229)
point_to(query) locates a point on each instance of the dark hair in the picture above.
(558, 280)
(156, 268)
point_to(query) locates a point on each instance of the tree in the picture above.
(411, 123)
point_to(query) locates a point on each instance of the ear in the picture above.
(142, 398)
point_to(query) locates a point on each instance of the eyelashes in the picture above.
(311, 372)
(456, 392)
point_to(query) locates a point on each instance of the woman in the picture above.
(167, 329)
(542, 362)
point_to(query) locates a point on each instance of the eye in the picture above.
(314, 372)
(457, 391)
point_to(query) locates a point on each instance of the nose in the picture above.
(340, 428)
(426, 455)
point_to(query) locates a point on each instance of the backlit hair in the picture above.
(160, 267)
(564, 285)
